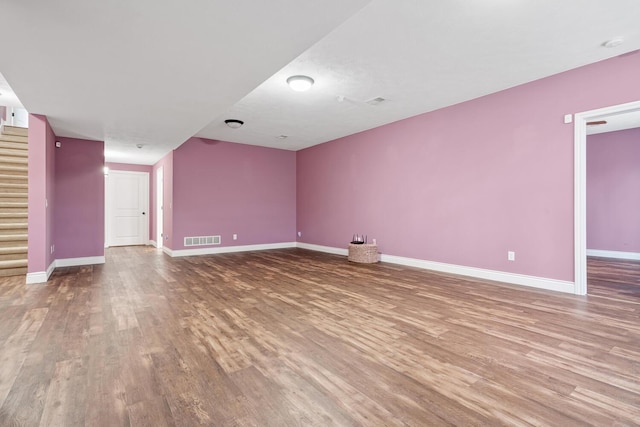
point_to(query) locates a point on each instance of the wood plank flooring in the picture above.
(292, 337)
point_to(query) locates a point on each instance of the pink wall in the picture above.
(465, 184)
(221, 188)
(127, 167)
(79, 194)
(41, 193)
(166, 163)
(613, 191)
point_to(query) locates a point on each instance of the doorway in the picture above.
(580, 185)
(127, 208)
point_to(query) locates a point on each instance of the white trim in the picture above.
(41, 276)
(75, 262)
(479, 273)
(327, 249)
(153, 243)
(580, 185)
(613, 254)
(167, 251)
(228, 249)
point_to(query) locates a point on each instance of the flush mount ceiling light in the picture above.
(233, 123)
(613, 42)
(300, 83)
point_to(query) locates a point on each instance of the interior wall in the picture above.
(222, 188)
(613, 191)
(465, 184)
(79, 193)
(127, 167)
(41, 146)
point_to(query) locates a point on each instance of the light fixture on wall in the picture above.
(300, 83)
(233, 123)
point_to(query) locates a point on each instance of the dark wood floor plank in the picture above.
(293, 337)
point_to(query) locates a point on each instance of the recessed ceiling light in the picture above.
(300, 83)
(234, 123)
(613, 42)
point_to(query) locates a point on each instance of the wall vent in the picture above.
(202, 240)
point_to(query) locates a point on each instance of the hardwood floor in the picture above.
(615, 279)
(293, 337)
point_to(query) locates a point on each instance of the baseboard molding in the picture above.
(227, 249)
(479, 273)
(75, 262)
(41, 276)
(613, 254)
(326, 249)
(153, 243)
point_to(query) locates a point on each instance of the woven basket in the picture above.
(366, 253)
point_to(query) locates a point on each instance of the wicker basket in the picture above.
(366, 253)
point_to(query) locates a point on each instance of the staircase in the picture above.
(13, 201)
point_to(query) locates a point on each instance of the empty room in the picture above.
(338, 213)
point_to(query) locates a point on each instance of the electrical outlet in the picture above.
(511, 256)
(235, 237)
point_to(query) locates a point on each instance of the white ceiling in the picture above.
(141, 73)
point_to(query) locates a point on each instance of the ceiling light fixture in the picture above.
(300, 83)
(233, 123)
(613, 42)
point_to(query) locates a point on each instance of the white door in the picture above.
(127, 208)
(159, 202)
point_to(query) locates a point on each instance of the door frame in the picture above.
(580, 185)
(109, 208)
(159, 218)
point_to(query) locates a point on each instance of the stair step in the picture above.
(13, 256)
(13, 152)
(14, 197)
(14, 179)
(20, 271)
(11, 187)
(5, 143)
(13, 250)
(13, 238)
(13, 161)
(14, 130)
(15, 170)
(14, 263)
(6, 204)
(23, 141)
(14, 219)
(13, 215)
(14, 226)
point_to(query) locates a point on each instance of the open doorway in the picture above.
(580, 181)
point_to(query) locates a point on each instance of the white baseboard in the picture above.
(319, 248)
(75, 262)
(613, 254)
(227, 249)
(153, 243)
(479, 273)
(43, 276)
